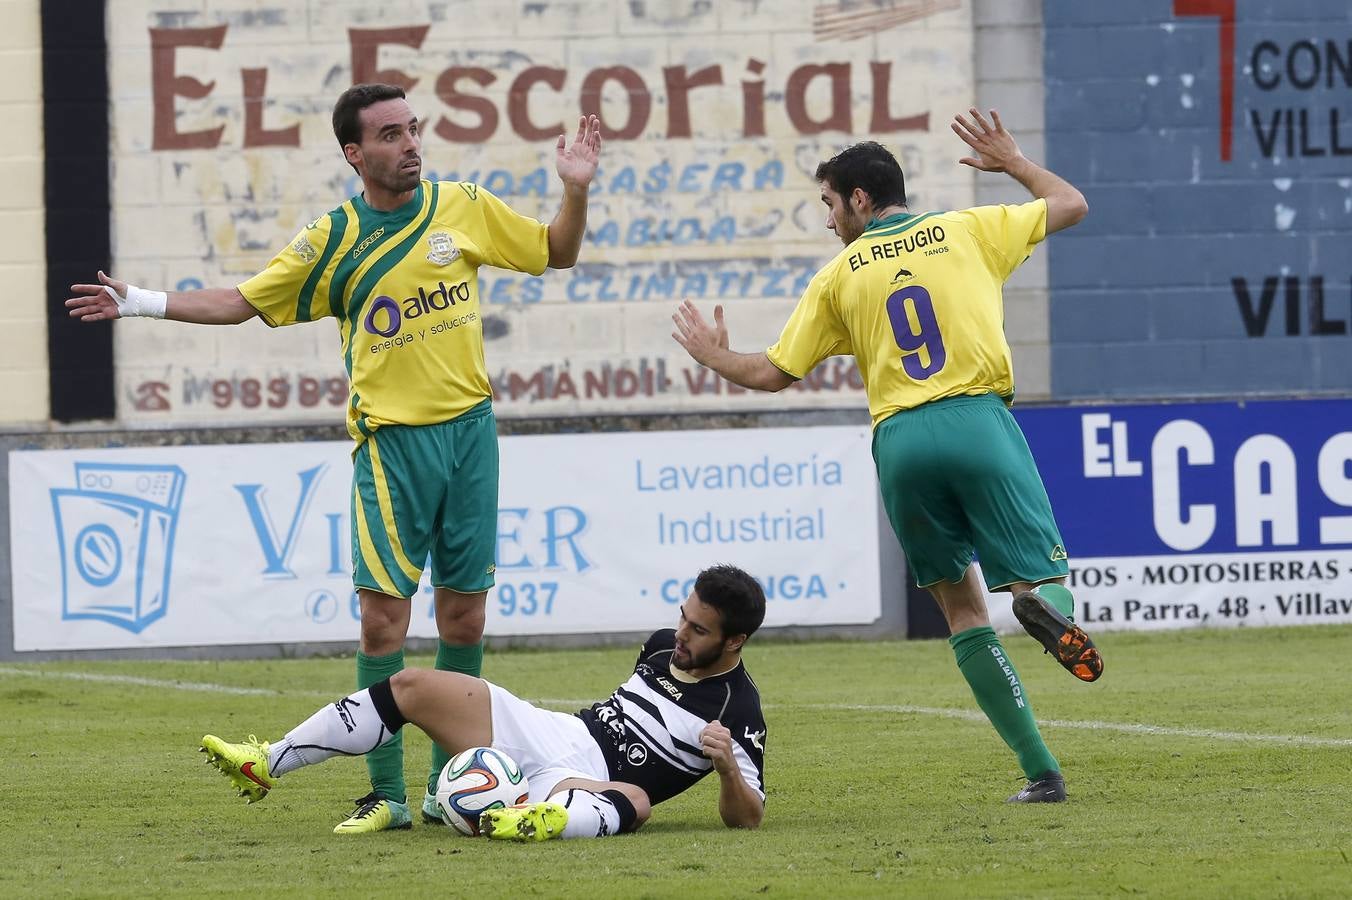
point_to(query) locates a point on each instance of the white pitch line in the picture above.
(205, 687)
(1091, 725)
(966, 715)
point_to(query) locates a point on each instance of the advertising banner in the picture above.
(249, 544)
(1202, 513)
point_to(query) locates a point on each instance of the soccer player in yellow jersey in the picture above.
(397, 268)
(916, 299)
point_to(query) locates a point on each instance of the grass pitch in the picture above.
(1203, 764)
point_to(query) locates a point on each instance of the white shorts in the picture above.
(548, 746)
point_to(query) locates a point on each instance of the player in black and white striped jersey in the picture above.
(650, 730)
(688, 709)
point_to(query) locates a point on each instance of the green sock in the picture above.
(1000, 694)
(466, 658)
(1059, 597)
(386, 764)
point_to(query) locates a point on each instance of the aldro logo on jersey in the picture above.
(386, 315)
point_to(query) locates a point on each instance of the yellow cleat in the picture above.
(375, 813)
(245, 764)
(527, 822)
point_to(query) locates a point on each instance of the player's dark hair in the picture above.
(347, 111)
(737, 597)
(867, 165)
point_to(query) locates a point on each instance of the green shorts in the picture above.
(427, 490)
(958, 481)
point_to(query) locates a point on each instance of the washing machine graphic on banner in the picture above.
(116, 533)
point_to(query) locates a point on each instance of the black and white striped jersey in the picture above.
(649, 728)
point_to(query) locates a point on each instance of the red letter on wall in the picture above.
(449, 91)
(795, 98)
(881, 121)
(366, 53)
(166, 84)
(1225, 11)
(518, 102)
(255, 135)
(640, 101)
(679, 84)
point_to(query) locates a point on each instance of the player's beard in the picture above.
(850, 225)
(397, 179)
(697, 662)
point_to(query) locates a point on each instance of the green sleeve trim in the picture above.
(337, 228)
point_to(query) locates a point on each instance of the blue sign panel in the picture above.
(1202, 513)
(1197, 477)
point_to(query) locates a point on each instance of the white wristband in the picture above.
(139, 302)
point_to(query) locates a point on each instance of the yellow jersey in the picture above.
(403, 286)
(917, 300)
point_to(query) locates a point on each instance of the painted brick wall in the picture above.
(737, 218)
(1008, 63)
(1215, 256)
(23, 272)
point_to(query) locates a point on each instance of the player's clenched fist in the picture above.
(716, 742)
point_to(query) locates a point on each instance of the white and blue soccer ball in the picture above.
(476, 780)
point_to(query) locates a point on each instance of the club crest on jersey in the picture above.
(444, 251)
(304, 249)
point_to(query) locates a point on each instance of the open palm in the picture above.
(994, 146)
(576, 161)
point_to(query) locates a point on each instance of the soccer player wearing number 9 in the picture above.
(396, 267)
(916, 299)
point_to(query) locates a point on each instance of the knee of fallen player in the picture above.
(414, 691)
(451, 707)
(643, 809)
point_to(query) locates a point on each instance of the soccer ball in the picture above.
(478, 779)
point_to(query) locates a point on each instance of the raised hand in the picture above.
(697, 336)
(94, 302)
(995, 147)
(576, 162)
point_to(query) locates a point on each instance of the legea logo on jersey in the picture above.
(116, 534)
(386, 315)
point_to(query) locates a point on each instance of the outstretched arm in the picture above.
(738, 805)
(708, 346)
(576, 165)
(997, 152)
(113, 299)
